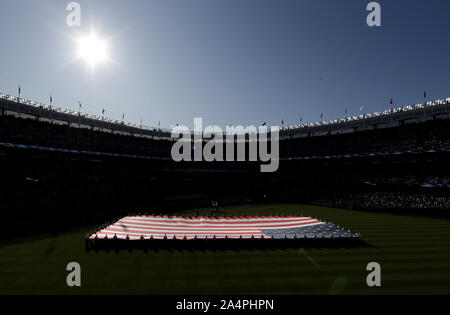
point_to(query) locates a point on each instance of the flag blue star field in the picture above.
(183, 228)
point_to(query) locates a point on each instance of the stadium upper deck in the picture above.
(395, 117)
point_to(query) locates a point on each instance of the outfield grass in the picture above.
(414, 254)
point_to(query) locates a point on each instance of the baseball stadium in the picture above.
(106, 190)
(108, 195)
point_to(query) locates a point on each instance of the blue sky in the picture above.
(228, 61)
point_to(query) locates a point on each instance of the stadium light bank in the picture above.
(208, 144)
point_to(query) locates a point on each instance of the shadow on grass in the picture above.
(205, 246)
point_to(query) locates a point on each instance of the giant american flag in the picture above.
(188, 228)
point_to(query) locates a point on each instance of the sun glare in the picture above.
(92, 49)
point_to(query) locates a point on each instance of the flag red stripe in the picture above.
(213, 224)
(234, 228)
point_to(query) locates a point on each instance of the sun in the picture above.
(92, 49)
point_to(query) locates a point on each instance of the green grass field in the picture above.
(414, 254)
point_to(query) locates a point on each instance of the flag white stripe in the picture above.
(217, 226)
(150, 233)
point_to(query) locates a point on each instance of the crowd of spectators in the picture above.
(412, 180)
(375, 200)
(33, 132)
(44, 185)
(425, 136)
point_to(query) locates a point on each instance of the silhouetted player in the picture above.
(215, 208)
